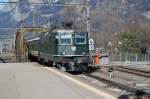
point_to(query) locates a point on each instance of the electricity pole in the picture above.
(91, 42)
(20, 51)
(88, 18)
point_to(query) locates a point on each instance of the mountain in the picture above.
(115, 16)
(108, 17)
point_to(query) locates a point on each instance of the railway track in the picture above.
(2, 60)
(137, 92)
(129, 70)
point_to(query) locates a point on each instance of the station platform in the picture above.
(32, 81)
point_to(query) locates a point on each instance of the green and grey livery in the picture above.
(66, 49)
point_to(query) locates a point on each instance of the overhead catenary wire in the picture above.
(31, 3)
(46, 4)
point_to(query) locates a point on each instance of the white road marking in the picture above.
(82, 84)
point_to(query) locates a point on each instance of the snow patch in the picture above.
(17, 16)
(147, 15)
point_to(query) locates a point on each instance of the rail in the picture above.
(2, 60)
(130, 70)
(118, 85)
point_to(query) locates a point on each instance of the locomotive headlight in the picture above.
(80, 61)
(73, 48)
(83, 53)
(63, 53)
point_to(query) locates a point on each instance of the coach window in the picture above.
(80, 38)
(65, 39)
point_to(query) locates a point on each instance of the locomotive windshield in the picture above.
(80, 38)
(65, 38)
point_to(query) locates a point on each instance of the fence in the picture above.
(8, 56)
(130, 58)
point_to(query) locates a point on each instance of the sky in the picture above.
(4, 0)
(2, 5)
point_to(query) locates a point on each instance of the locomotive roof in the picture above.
(34, 39)
(64, 30)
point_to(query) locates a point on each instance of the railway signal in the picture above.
(110, 70)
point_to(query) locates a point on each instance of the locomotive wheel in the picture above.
(57, 65)
(50, 63)
(83, 67)
(63, 68)
(41, 61)
(38, 60)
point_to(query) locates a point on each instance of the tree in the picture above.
(130, 42)
(145, 41)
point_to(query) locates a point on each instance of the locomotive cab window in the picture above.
(57, 39)
(65, 38)
(80, 38)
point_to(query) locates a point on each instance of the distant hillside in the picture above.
(108, 17)
(115, 16)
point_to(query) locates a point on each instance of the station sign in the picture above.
(91, 42)
(91, 47)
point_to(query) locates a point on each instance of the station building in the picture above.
(7, 43)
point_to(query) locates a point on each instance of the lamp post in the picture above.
(119, 46)
(110, 69)
(1, 48)
(110, 51)
(110, 47)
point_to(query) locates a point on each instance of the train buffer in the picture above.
(33, 81)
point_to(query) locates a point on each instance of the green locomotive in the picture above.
(66, 49)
